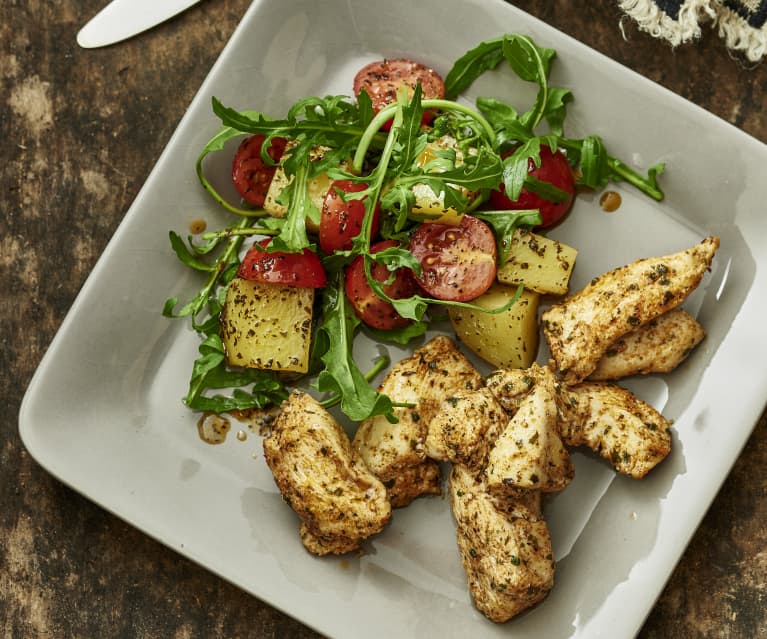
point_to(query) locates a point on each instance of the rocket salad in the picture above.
(407, 223)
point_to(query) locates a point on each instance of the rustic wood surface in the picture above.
(81, 131)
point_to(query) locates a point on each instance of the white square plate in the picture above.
(103, 412)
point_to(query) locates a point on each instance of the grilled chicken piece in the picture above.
(612, 421)
(465, 427)
(581, 329)
(657, 347)
(510, 386)
(327, 544)
(414, 481)
(529, 453)
(340, 502)
(434, 372)
(506, 552)
(627, 432)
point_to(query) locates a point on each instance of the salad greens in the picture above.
(496, 143)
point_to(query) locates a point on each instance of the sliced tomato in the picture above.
(341, 221)
(458, 263)
(250, 174)
(382, 78)
(370, 308)
(554, 169)
(288, 269)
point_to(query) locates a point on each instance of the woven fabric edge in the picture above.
(650, 18)
(738, 35)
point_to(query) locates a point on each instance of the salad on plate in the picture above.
(396, 210)
(380, 214)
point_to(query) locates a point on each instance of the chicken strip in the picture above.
(510, 386)
(610, 420)
(327, 544)
(581, 329)
(657, 347)
(505, 552)
(627, 432)
(339, 501)
(529, 453)
(434, 372)
(465, 427)
(414, 481)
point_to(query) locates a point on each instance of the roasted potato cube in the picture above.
(317, 189)
(427, 202)
(267, 326)
(432, 206)
(538, 263)
(506, 340)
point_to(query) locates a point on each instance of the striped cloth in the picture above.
(741, 23)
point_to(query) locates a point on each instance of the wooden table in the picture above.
(81, 131)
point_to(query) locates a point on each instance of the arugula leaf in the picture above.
(222, 268)
(410, 138)
(556, 109)
(471, 65)
(341, 374)
(329, 121)
(595, 171)
(217, 143)
(515, 167)
(529, 61)
(293, 237)
(504, 223)
(183, 254)
(395, 257)
(545, 189)
(401, 336)
(478, 171)
(209, 371)
(532, 63)
(505, 121)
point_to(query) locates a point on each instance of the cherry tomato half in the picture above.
(382, 78)
(370, 308)
(287, 269)
(341, 221)
(250, 174)
(458, 263)
(554, 169)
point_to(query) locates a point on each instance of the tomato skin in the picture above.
(287, 269)
(458, 263)
(554, 169)
(370, 308)
(341, 222)
(250, 175)
(381, 79)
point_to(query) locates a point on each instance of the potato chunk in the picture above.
(267, 326)
(427, 202)
(538, 263)
(506, 340)
(317, 188)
